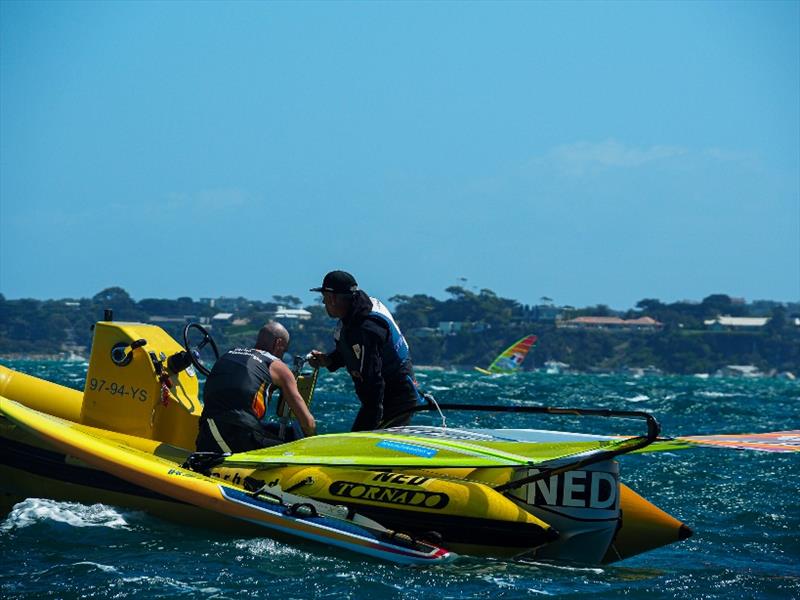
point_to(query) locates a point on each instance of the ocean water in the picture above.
(744, 508)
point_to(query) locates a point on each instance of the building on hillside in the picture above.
(546, 312)
(450, 327)
(454, 327)
(222, 317)
(728, 323)
(160, 319)
(645, 324)
(300, 314)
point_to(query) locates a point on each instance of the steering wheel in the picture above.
(194, 352)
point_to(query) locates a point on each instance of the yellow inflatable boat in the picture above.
(413, 495)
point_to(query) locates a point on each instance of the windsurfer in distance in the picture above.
(237, 391)
(372, 348)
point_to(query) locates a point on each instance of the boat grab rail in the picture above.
(622, 447)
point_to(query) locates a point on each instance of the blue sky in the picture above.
(589, 152)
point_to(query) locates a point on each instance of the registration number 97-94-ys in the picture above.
(118, 389)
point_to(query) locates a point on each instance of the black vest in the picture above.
(239, 380)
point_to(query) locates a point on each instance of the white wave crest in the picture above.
(38, 510)
(565, 567)
(716, 394)
(638, 398)
(175, 587)
(104, 568)
(262, 547)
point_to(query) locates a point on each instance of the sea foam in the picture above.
(37, 510)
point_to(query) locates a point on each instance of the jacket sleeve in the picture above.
(368, 380)
(336, 361)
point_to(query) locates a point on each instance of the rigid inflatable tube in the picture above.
(43, 396)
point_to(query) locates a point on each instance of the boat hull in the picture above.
(278, 512)
(30, 468)
(466, 516)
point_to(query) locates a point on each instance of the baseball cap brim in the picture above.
(337, 282)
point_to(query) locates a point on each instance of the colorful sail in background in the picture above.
(510, 359)
(775, 441)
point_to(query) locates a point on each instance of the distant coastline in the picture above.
(717, 334)
(727, 372)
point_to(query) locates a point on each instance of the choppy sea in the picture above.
(743, 506)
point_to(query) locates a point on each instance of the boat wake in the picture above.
(561, 567)
(638, 398)
(266, 547)
(98, 566)
(40, 510)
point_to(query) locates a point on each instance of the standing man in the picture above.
(237, 391)
(372, 348)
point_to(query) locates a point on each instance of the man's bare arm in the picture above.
(284, 379)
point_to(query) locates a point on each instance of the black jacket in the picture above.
(372, 348)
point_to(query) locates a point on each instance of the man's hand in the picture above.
(318, 359)
(284, 378)
(310, 428)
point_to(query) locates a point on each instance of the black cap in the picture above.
(338, 282)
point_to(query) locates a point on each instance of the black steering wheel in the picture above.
(194, 352)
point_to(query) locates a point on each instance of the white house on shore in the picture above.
(726, 322)
(222, 317)
(611, 323)
(300, 314)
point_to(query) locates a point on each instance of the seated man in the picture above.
(237, 391)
